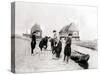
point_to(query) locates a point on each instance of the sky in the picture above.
(56, 16)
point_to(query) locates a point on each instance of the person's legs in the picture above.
(64, 57)
(40, 46)
(41, 49)
(58, 54)
(46, 46)
(68, 58)
(53, 51)
(31, 48)
(68, 54)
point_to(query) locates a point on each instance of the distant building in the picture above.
(36, 28)
(72, 29)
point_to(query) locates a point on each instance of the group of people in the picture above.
(56, 45)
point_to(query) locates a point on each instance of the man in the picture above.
(56, 45)
(58, 48)
(53, 41)
(67, 49)
(33, 42)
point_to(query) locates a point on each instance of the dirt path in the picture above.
(44, 61)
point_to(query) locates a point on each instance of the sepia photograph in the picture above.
(53, 37)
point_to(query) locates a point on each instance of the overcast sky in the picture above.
(51, 16)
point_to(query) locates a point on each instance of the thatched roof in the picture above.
(36, 27)
(69, 28)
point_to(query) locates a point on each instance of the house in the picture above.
(36, 28)
(70, 29)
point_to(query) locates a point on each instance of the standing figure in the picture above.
(58, 48)
(53, 41)
(67, 49)
(33, 42)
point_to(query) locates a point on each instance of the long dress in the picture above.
(67, 49)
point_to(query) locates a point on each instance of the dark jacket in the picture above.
(67, 49)
(34, 38)
(58, 49)
(43, 42)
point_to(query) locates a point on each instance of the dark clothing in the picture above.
(33, 43)
(52, 42)
(67, 49)
(43, 43)
(34, 38)
(58, 49)
(52, 45)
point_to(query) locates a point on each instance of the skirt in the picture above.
(67, 51)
